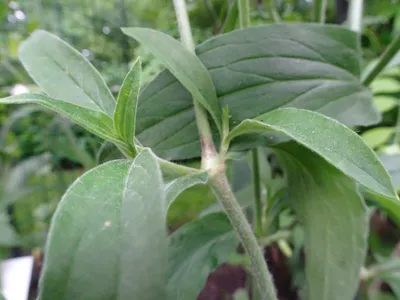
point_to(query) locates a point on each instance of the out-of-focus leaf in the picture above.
(392, 165)
(195, 250)
(385, 85)
(385, 103)
(8, 236)
(377, 136)
(15, 180)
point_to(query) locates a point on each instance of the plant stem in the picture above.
(273, 13)
(377, 270)
(244, 13)
(355, 13)
(208, 152)
(183, 24)
(319, 10)
(258, 224)
(384, 60)
(259, 269)
(212, 162)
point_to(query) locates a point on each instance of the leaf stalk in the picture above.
(384, 60)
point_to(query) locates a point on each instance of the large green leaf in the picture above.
(125, 111)
(108, 238)
(93, 120)
(256, 70)
(335, 220)
(63, 73)
(183, 65)
(195, 250)
(333, 141)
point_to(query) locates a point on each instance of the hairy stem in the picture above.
(384, 60)
(319, 10)
(259, 270)
(244, 13)
(355, 14)
(212, 162)
(183, 24)
(207, 145)
(258, 211)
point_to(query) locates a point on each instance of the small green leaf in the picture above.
(335, 221)
(385, 86)
(185, 66)
(333, 141)
(385, 103)
(195, 250)
(377, 136)
(177, 186)
(108, 239)
(63, 73)
(125, 110)
(92, 120)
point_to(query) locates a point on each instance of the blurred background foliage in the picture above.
(41, 153)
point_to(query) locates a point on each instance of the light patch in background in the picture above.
(16, 276)
(19, 89)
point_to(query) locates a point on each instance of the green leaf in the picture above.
(92, 120)
(333, 141)
(257, 70)
(335, 221)
(185, 66)
(385, 103)
(385, 86)
(63, 73)
(177, 186)
(8, 235)
(195, 250)
(377, 136)
(15, 181)
(125, 110)
(392, 165)
(108, 238)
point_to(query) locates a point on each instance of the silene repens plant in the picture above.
(293, 91)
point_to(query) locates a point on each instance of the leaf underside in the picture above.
(335, 221)
(108, 237)
(195, 250)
